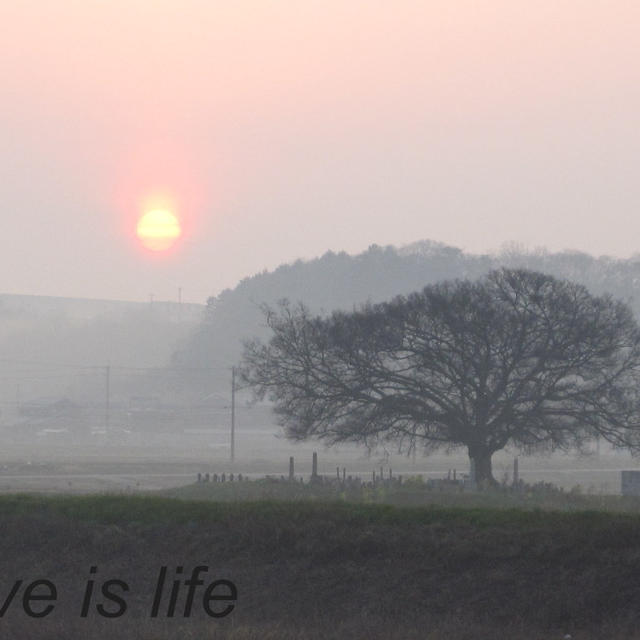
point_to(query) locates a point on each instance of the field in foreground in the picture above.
(311, 570)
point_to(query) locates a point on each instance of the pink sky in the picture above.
(283, 129)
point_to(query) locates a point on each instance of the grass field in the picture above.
(413, 492)
(314, 569)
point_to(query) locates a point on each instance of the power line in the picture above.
(34, 368)
(64, 365)
(40, 363)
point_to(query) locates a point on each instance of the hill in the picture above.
(340, 281)
(181, 355)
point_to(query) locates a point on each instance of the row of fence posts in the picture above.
(376, 479)
(341, 474)
(316, 478)
(214, 477)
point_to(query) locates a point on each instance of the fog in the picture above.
(276, 133)
(91, 382)
(108, 395)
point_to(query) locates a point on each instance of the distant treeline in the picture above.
(342, 281)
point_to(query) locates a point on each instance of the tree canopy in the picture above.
(517, 358)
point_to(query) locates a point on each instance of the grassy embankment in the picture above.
(412, 492)
(311, 570)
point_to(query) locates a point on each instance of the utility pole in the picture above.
(233, 414)
(107, 396)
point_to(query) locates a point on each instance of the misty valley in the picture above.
(90, 385)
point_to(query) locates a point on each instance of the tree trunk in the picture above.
(481, 458)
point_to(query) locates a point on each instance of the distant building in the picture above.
(630, 483)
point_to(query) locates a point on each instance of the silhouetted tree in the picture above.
(517, 358)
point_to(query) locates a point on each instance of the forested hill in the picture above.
(340, 281)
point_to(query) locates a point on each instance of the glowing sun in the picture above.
(158, 229)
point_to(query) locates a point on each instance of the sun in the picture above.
(158, 229)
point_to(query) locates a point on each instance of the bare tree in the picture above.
(518, 358)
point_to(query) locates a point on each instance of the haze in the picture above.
(283, 129)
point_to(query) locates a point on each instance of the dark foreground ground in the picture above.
(308, 570)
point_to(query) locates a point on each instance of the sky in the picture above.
(281, 129)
